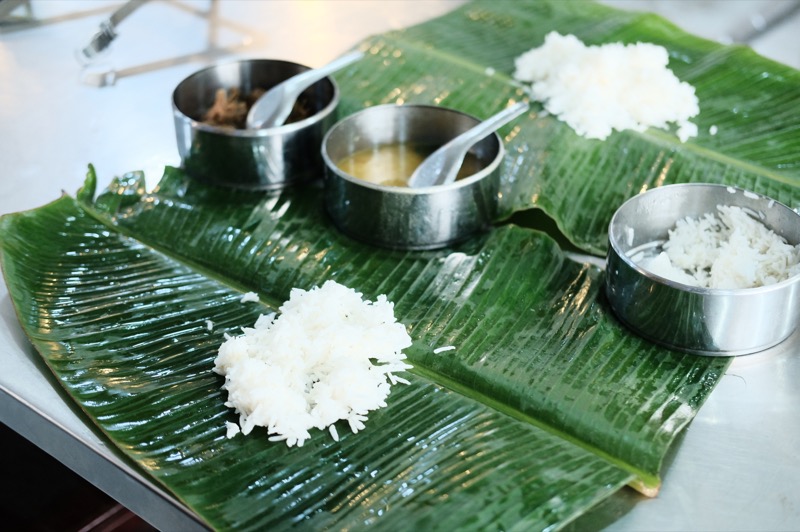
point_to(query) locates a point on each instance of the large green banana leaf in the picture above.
(579, 182)
(546, 406)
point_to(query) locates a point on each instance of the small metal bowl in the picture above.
(252, 159)
(400, 217)
(703, 321)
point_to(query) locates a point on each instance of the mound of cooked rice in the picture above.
(596, 89)
(328, 356)
(732, 250)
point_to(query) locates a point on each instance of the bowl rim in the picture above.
(263, 132)
(613, 246)
(485, 172)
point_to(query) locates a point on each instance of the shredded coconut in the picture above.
(597, 89)
(328, 356)
(732, 250)
(443, 349)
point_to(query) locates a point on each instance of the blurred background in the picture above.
(770, 27)
(69, 61)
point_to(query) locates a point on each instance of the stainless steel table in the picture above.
(737, 465)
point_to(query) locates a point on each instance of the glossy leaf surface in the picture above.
(750, 102)
(546, 406)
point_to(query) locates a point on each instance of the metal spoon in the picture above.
(442, 166)
(274, 106)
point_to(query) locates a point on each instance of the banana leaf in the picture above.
(546, 406)
(752, 103)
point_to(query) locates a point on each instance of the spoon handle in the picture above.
(462, 143)
(490, 125)
(296, 84)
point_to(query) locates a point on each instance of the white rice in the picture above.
(732, 250)
(232, 429)
(249, 297)
(597, 89)
(328, 356)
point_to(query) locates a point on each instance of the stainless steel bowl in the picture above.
(402, 217)
(254, 159)
(697, 320)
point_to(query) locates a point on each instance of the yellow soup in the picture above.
(392, 164)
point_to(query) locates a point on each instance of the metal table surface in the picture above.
(737, 465)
